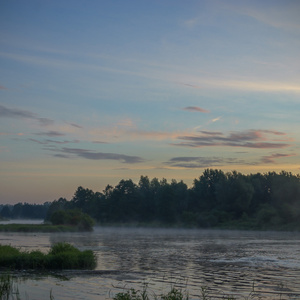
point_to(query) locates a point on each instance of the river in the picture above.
(223, 263)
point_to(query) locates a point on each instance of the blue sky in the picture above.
(92, 92)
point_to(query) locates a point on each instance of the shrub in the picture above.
(72, 217)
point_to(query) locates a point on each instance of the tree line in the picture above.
(216, 199)
(24, 211)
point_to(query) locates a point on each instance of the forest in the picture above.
(24, 211)
(215, 200)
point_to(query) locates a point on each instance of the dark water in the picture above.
(224, 262)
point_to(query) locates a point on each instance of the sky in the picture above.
(92, 92)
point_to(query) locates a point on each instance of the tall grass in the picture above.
(183, 294)
(173, 294)
(60, 256)
(8, 290)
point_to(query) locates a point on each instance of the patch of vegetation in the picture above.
(60, 256)
(72, 217)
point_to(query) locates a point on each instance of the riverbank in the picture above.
(233, 225)
(39, 228)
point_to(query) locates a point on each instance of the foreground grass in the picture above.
(38, 228)
(179, 294)
(60, 256)
(9, 291)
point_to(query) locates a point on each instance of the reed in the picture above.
(8, 289)
(60, 256)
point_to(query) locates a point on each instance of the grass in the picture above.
(9, 291)
(183, 294)
(60, 256)
(173, 294)
(37, 228)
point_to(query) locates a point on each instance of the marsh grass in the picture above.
(8, 288)
(60, 256)
(176, 293)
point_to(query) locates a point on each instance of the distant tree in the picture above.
(215, 199)
(56, 205)
(6, 212)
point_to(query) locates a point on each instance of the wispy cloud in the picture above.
(92, 155)
(238, 83)
(191, 23)
(284, 17)
(111, 134)
(196, 109)
(51, 133)
(17, 113)
(249, 85)
(75, 125)
(271, 159)
(216, 119)
(47, 142)
(164, 74)
(2, 87)
(190, 162)
(99, 142)
(194, 86)
(262, 139)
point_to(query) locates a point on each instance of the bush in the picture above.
(72, 217)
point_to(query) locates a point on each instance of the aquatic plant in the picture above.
(7, 288)
(133, 294)
(179, 294)
(60, 256)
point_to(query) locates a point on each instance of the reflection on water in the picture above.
(227, 262)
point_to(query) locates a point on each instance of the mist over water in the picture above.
(227, 262)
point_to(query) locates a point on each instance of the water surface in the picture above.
(226, 262)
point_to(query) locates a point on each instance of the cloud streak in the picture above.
(271, 159)
(196, 109)
(47, 142)
(17, 113)
(204, 82)
(287, 17)
(51, 133)
(91, 155)
(191, 162)
(260, 139)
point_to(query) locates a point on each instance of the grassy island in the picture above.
(60, 256)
